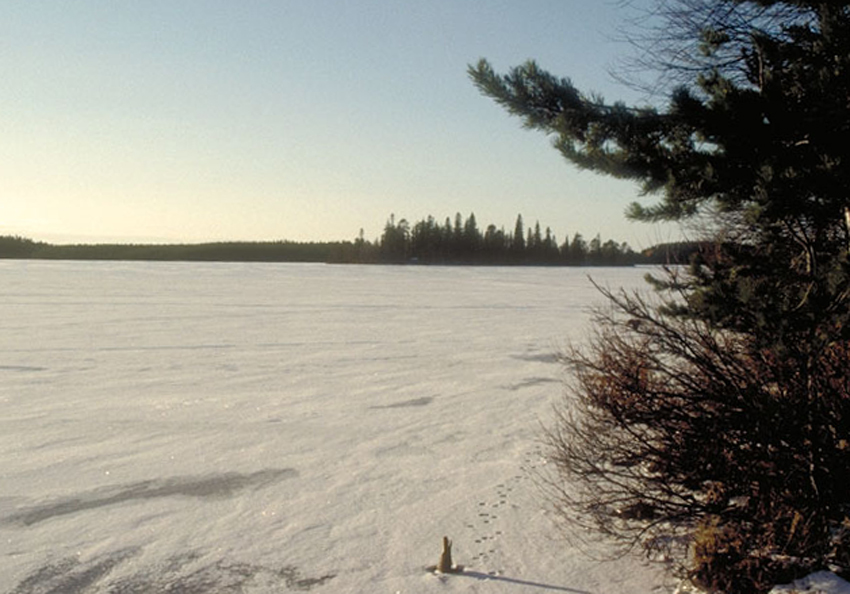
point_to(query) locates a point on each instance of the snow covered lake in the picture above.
(227, 428)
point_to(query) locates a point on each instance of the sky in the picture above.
(308, 120)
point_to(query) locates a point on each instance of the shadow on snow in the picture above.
(205, 487)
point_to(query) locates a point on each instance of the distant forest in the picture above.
(265, 251)
(462, 242)
(459, 241)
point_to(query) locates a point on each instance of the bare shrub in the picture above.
(703, 446)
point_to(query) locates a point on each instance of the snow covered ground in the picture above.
(204, 428)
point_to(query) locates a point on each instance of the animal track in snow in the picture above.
(486, 524)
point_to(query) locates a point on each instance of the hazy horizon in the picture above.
(206, 121)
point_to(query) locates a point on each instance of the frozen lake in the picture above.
(204, 428)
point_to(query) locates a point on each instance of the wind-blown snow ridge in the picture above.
(218, 485)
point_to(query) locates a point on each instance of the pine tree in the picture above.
(719, 419)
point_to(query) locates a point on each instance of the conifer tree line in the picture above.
(426, 242)
(462, 241)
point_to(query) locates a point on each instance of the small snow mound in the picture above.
(685, 587)
(821, 582)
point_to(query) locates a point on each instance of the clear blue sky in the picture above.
(196, 120)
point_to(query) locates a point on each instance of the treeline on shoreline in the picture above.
(462, 242)
(235, 251)
(458, 242)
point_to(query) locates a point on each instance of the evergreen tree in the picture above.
(577, 255)
(518, 241)
(394, 241)
(494, 244)
(426, 241)
(550, 247)
(594, 252)
(363, 250)
(719, 420)
(447, 235)
(457, 235)
(565, 250)
(471, 238)
(535, 243)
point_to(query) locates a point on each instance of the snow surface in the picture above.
(821, 582)
(202, 428)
